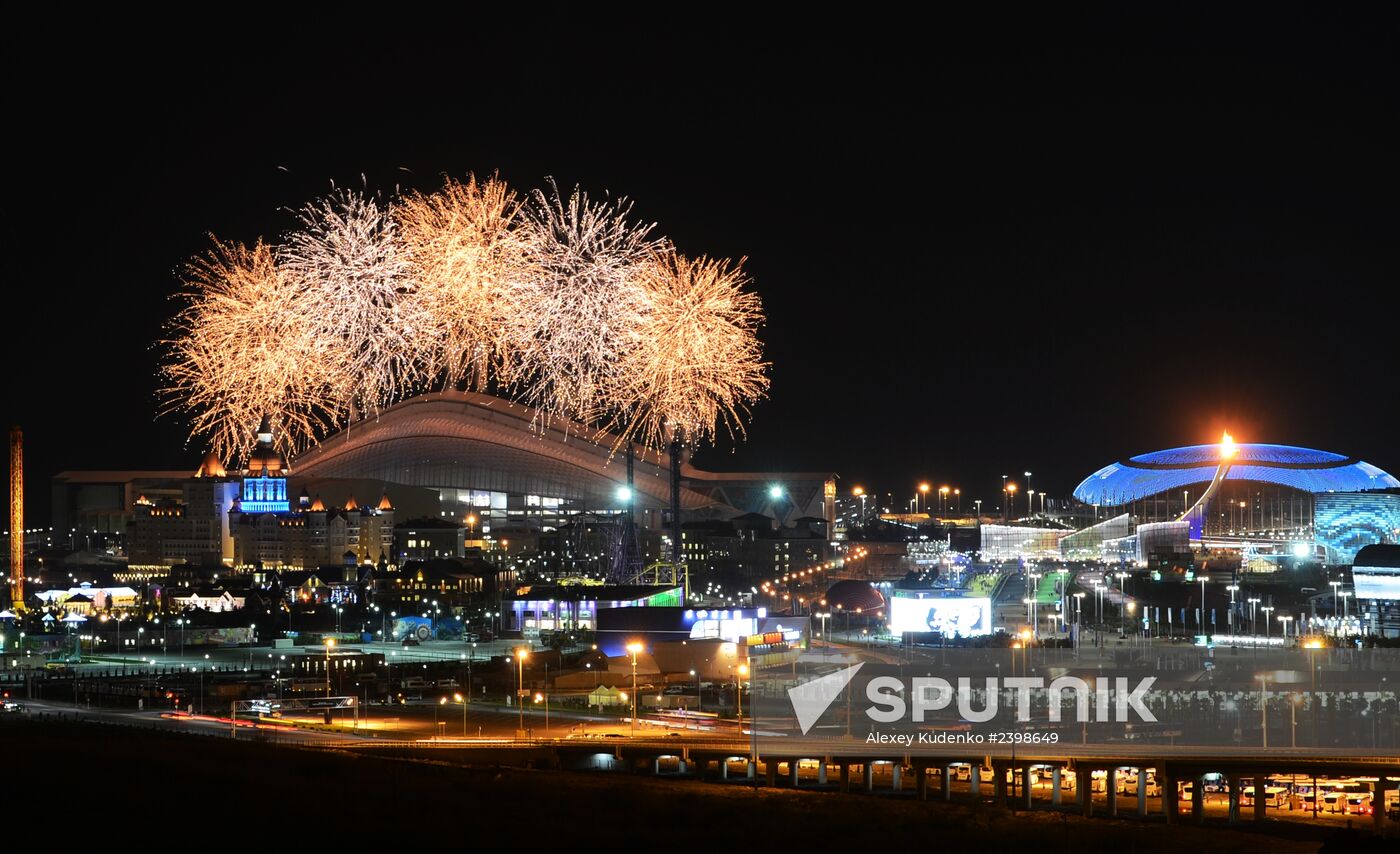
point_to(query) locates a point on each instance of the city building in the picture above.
(451, 582)
(1241, 496)
(465, 458)
(90, 599)
(191, 528)
(492, 459)
(1375, 577)
(426, 538)
(269, 531)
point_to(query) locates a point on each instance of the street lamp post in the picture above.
(1264, 709)
(1201, 620)
(699, 693)
(1035, 595)
(330, 645)
(1233, 588)
(1267, 609)
(634, 648)
(742, 671)
(520, 655)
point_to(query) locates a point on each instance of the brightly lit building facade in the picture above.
(1013, 542)
(498, 463)
(1243, 495)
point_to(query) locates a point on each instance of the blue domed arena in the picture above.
(1261, 492)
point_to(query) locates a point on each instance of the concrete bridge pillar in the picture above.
(794, 766)
(1110, 788)
(945, 782)
(867, 776)
(1084, 785)
(999, 784)
(724, 768)
(821, 772)
(1261, 800)
(1026, 793)
(845, 769)
(1198, 800)
(770, 768)
(1142, 791)
(1233, 781)
(975, 780)
(750, 767)
(920, 782)
(1170, 802)
(896, 773)
(1055, 796)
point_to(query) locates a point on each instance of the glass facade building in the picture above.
(1011, 542)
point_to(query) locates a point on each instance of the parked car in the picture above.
(1129, 785)
(1346, 797)
(1274, 796)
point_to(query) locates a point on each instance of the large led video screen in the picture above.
(1379, 583)
(953, 617)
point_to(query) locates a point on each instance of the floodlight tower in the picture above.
(16, 519)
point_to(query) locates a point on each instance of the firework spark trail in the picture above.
(466, 253)
(237, 351)
(361, 301)
(568, 306)
(579, 292)
(690, 360)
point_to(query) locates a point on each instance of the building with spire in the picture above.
(268, 531)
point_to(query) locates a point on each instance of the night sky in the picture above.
(983, 246)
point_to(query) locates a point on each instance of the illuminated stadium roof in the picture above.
(1298, 468)
(456, 440)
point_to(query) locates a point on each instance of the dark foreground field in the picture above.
(195, 788)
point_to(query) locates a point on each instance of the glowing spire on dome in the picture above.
(1227, 446)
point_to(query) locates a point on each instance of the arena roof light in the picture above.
(1303, 469)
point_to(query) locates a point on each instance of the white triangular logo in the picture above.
(811, 699)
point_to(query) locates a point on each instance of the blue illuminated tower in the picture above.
(265, 481)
